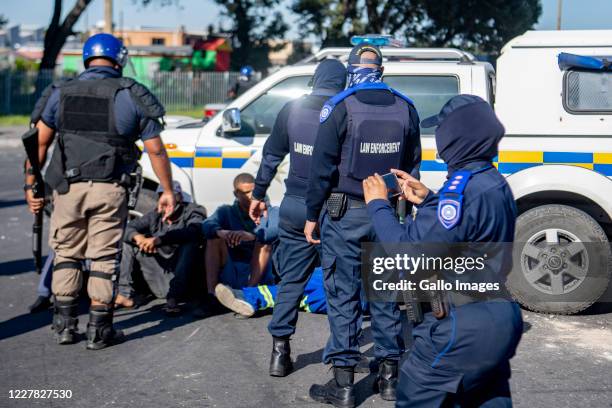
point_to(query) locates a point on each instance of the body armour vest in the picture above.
(375, 141)
(302, 131)
(90, 148)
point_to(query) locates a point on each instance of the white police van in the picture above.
(557, 153)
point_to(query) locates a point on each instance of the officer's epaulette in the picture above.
(148, 102)
(329, 106)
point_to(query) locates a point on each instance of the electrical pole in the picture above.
(108, 16)
(559, 12)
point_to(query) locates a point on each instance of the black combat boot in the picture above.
(386, 382)
(338, 391)
(65, 321)
(280, 362)
(100, 331)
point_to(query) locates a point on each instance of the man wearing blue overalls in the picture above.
(294, 132)
(461, 360)
(368, 128)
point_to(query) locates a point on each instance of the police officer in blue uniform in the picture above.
(461, 359)
(294, 132)
(96, 120)
(368, 128)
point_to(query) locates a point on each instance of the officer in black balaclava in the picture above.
(459, 358)
(294, 132)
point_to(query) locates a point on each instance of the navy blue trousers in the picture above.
(341, 262)
(295, 260)
(463, 359)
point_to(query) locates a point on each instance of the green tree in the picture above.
(477, 25)
(253, 26)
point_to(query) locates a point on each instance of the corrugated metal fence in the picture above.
(176, 90)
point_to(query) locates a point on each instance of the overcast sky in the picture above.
(198, 14)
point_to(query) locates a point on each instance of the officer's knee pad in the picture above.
(67, 279)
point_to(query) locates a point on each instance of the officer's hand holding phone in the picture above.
(412, 189)
(257, 210)
(375, 188)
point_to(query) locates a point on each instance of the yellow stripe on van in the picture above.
(236, 154)
(428, 154)
(209, 162)
(509, 156)
(602, 158)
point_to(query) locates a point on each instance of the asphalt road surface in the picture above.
(562, 361)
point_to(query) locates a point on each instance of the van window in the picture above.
(429, 92)
(587, 92)
(259, 116)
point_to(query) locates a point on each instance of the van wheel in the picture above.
(562, 260)
(147, 201)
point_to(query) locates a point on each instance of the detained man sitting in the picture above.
(162, 251)
(238, 251)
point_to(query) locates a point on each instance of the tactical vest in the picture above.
(89, 146)
(302, 130)
(375, 141)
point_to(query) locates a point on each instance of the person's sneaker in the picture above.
(123, 302)
(233, 300)
(41, 304)
(172, 308)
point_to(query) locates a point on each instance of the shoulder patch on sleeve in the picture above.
(325, 112)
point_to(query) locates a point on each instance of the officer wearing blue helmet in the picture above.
(244, 83)
(294, 132)
(461, 359)
(96, 119)
(366, 129)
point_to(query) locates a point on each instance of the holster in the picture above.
(336, 205)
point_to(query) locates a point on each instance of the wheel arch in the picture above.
(573, 186)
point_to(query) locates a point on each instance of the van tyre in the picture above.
(561, 262)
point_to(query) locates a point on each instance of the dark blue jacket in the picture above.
(328, 148)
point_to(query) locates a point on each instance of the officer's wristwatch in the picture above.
(27, 187)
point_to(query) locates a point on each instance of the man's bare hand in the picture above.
(412, 189)
(34, 204)
(235, 238)
(257, 210)
(309, 229)
(166, 204)
(149, 245)
(374, 188)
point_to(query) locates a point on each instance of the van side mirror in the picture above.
(231, 120)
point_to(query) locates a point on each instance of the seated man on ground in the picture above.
(162, 251)
(238, 252)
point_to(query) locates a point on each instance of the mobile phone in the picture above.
(392, 184)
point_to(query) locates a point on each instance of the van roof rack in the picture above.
(397, 55)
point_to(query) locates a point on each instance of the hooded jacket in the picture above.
(328, 80)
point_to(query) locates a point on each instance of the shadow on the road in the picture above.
(12, 203)
(24, 323)
(16, 267)
(364, 389)
(150, 315)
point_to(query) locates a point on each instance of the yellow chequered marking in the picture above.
(428, 154)
(178, 153)
(602, 158)
(585, 165)
(236, 154)
(509, 156)
(209, 162)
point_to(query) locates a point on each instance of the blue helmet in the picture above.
(107, 46)
(246, 71)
